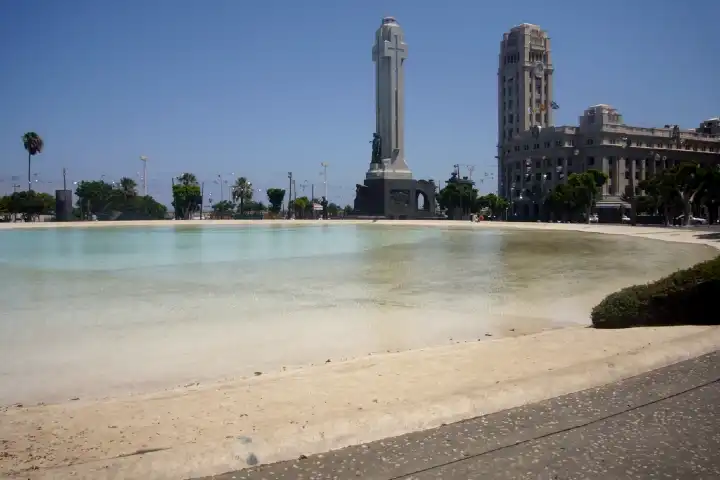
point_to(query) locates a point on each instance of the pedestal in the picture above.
(63, 205)
(395, 198)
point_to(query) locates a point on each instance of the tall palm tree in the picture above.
(34, 145)
(128, 187)
(242, 191)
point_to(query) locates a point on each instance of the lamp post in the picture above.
(144, 159)
(325, 166)
(290, 184)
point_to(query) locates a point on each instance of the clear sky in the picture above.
(259, 88)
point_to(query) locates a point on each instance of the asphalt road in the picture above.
(664, 424)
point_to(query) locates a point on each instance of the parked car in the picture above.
(679, 220)
(625, 219)
(594, 218)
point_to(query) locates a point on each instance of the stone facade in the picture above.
(534, 161)
(525, 83)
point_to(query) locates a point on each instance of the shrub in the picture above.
(687, 297)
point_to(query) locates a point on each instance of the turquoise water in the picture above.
(95, 311)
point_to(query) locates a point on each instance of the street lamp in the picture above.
(290, 184)
(325, 166)
(144, 159)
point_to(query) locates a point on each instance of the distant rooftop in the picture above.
(387, 20)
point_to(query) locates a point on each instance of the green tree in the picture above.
(242, 193)
(275, 196)
(97, 197)
(187, 196)
(255, 207)
(686, 181)
(333, 209)
(348, 210)
(5, 212)
(33, 145)
(586, 189)
(494, 204)
(223, 209)
(710, 196)
(458, 196)
(128, 187)
(301, 205)
(31, 204)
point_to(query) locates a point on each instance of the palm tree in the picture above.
(128, 187)
(242, 191)
(187, 179)
(34, 145)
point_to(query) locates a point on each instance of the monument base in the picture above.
(63, 205)
(395, 198)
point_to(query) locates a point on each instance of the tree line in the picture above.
(187, 201)
(685, 189)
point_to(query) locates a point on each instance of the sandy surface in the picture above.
(212, 428)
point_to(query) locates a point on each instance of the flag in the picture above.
(554, 106)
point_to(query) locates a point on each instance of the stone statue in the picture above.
(675, 135)
(376, 148)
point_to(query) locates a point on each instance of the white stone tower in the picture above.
(389, 54)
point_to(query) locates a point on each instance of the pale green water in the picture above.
(103, 310)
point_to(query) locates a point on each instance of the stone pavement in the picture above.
(663, 424)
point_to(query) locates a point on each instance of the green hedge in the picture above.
(687, 297)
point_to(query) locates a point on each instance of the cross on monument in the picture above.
(396, 49)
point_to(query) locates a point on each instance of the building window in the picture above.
(558, 143)
(569, 161)
(559, 162)
(547, 144)
(510, 119)
(571, 143)
(537, 177)
(548, 176)
(517, 148)
(536, 146)
(525, 147)
(611, 160)
(537, 164)
(591, 161)
(589, 141)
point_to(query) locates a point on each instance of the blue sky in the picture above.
(262, 88)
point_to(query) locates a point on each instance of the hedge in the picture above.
(687, 297)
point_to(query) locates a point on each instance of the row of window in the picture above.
(590, 161)
(607, 141)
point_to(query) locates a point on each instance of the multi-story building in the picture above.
(525, 84)
(536, 160)
(534, 155)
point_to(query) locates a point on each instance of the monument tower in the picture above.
(389, 189)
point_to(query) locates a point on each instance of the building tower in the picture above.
(525, 84)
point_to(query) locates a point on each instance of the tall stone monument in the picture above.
(389, 190)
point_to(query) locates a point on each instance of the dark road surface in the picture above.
(661, 425)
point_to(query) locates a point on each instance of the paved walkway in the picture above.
(663, 424)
